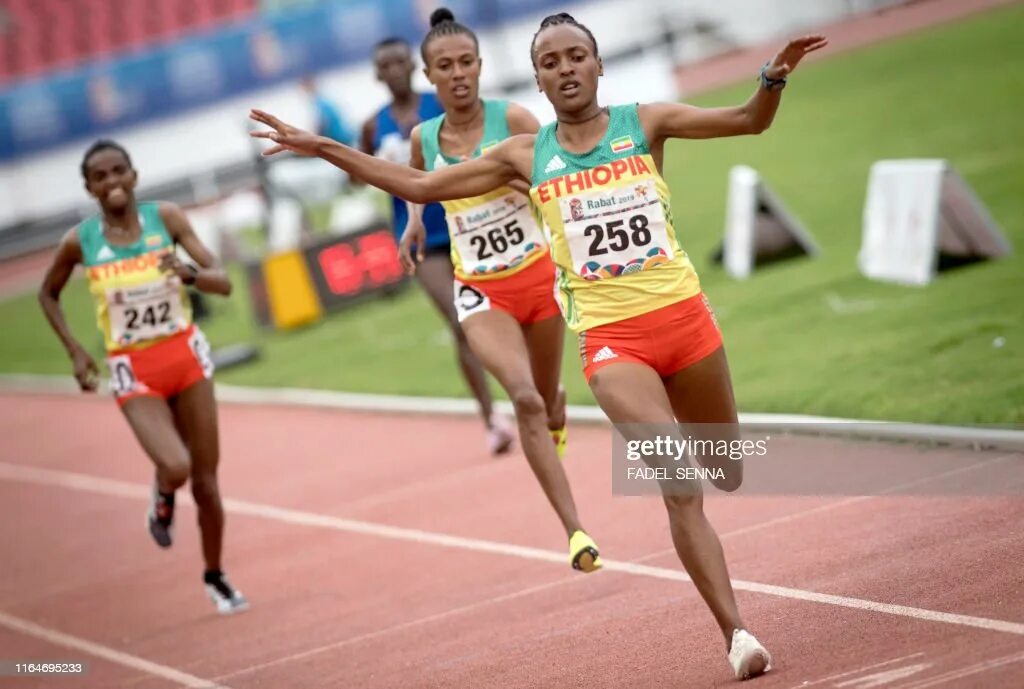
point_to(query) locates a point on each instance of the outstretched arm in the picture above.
(366, 136)
(663, 121)
(521, 121)
(471, 178)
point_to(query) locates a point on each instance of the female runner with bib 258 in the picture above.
(159, 360)
(504, 276)
(652, 352)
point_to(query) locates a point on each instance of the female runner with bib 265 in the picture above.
(387, 135)
(504, 277)
(652, 352)
(159, 360)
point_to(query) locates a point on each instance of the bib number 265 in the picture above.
(497, 240)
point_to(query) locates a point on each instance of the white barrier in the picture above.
(917, 212)
(758, 226)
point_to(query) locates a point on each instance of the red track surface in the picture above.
(333, 608)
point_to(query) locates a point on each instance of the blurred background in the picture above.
(319, 299)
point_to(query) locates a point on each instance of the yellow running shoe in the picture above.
(561, 439)
(583, 553)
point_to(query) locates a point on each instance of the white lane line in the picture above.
(75, 481)
(877, 679)
(960, 673)
(121, 658)
(469, 607)
(811, 683)
(782, 519)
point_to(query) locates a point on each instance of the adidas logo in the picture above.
(604, 354)
(105, 254)
(554, 164)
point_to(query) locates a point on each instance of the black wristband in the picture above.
(769, 83)
(190, 279)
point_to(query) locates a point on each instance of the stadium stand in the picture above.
(39, 36)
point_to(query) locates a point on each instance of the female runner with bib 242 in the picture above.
(159, 360)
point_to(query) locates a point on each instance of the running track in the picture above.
(388, 551)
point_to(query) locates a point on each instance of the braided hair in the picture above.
(442, 23)
(557, 20)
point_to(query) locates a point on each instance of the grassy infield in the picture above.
(904, 354)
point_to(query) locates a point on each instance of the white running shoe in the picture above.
(499, 436)
(227, 599)
(747, 656)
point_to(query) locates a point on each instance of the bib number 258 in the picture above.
(618, 235)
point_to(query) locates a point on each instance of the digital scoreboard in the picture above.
(294, 288)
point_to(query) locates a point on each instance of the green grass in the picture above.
(919, 354)
(922, 354)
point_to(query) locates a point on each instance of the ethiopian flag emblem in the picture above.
(623, 143)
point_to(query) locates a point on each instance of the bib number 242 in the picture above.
(150, 315)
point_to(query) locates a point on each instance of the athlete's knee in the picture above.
(205, 489)
(724, 472)
(731, 477)
(527, 401)
(173, 471)
(685, 505)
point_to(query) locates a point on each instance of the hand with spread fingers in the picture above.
(285, 136)
(789, 57)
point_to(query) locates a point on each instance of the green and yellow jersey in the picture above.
(609, 214)
(494, 235)
(137, 304)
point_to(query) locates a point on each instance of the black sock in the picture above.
(215, 578)
(165, 500)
